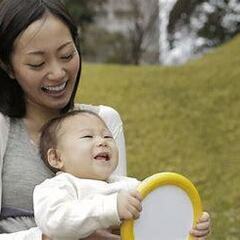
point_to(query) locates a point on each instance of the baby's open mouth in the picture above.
(103, 156)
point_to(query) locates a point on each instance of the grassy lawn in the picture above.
(183, 119)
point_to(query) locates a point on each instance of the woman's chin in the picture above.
(59, 103)
(56, 105)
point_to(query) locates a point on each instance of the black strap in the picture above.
(7, 212)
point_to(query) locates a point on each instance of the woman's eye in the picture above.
(68, 56)
(36, 65)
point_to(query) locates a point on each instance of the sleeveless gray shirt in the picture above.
(22, 170)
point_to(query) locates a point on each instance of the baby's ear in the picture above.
(54, 158)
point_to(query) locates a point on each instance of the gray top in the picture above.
(20, 152)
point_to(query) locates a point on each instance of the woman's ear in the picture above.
(54, 158)
(7, 69)
(3, 66)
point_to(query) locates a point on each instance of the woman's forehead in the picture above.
(48, 32)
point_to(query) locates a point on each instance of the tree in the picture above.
(143, 28)
(83, 11)
(139, 32)
(217, 20)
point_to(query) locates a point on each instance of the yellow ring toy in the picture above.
(159, 180)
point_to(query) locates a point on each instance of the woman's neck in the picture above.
(35, 118)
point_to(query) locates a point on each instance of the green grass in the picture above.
(183, 119)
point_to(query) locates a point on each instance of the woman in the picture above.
(40, 68)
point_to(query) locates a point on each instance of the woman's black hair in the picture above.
(15, 17)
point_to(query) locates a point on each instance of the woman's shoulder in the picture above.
(4, 129)
(88, 107)
(4, 122)
(109, 114)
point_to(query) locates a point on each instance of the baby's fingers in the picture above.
(136, 195)
(201, 230)
(134, 212)
(135, 207)
(204, 218)
(199, 233)
(135, 200)
(202, 226)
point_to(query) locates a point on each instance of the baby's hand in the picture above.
(202, 228)
(129, 204)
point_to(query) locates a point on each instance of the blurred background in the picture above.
(171, 69)
(166, 32)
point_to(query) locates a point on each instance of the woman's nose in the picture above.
(56, 72)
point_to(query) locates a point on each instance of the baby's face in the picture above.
(86, 147)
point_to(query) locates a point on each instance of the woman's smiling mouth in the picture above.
(55, 89)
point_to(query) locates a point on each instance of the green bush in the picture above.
(183, 119)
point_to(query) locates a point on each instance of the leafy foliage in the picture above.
(83, 11)
(218, 20)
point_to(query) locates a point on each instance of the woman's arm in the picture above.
(114, 123)
(32, 233)
(4, 129)
(102, 234)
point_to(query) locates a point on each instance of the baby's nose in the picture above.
(101, 142)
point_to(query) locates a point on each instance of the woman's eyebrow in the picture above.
(39, 52)
(64, 45)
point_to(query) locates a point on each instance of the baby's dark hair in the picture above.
(49, 133)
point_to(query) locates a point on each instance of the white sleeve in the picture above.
(124, 183)
(60, 215)
(114, 123)
(31, 234)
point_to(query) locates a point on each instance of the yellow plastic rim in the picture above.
(156, 181)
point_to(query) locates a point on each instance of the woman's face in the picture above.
(45, 62)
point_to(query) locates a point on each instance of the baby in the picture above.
(85, 196)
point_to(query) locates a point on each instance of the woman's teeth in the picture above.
(55, 88)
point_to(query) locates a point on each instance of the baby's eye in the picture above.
(108, 136)
(87, 136)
